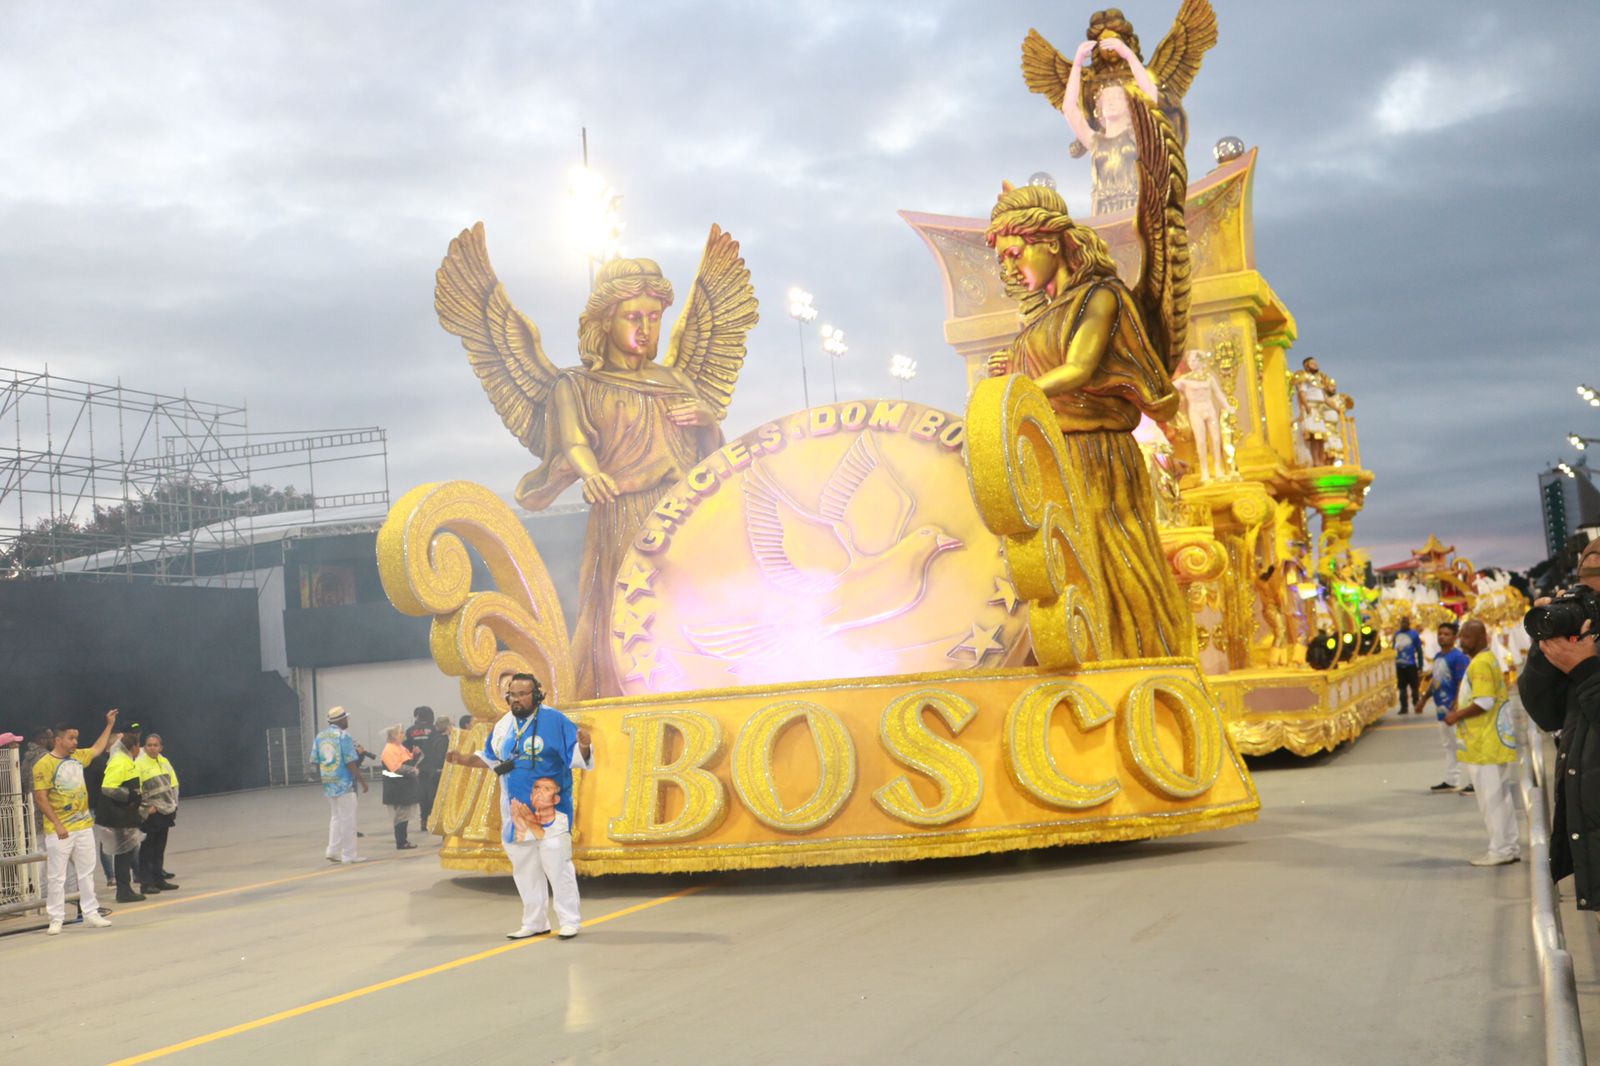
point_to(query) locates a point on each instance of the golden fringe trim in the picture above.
(707, 859)
(1306, 734)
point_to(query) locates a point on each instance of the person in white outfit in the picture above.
(547, 862)
(530, 742)
(62, 796)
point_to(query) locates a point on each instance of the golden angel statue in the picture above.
(623, 423)
(1103, 354)
(1092, 90)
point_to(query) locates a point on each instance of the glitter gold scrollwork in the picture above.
(1034, 498)
(753, 766)
(908, 741)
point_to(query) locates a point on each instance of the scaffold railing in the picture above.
(108, 482)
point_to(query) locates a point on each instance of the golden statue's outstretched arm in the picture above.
(1083, 350)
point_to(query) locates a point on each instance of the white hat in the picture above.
(336, 714)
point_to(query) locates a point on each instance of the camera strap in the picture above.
(516, 741)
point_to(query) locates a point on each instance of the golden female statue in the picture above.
(626, 426)
(1092, 90)
(1104, 354)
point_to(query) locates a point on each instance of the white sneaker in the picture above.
(351, 862)
(568, 932)
(93, 918)
(523, 934)
(1495, 860)
(55, 928)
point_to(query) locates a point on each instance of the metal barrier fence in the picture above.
(21, 852)
(1563, 1029)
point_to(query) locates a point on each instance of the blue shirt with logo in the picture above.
(1447, 680)
(544, 750)
(333, 751)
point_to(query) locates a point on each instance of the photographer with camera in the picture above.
(531, 742)
(1560, 688)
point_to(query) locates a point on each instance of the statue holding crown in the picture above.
(623, 424)
(1103, 354)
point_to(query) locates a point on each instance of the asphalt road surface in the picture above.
(1343, 927)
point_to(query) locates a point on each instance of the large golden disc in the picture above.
(839, 542)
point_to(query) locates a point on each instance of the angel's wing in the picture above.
(1163, 290)
(501, 342)
(708, 340)
(1044, 69)
(864, 496)
(1177, 57)
(780, 529)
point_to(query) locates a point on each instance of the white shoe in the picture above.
(93, 918)
(1495, 860)
(55, 928)
(351, 862)
(568, 932)
(523, 934)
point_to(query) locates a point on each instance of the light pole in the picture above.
(903, 368)
(1590, 396)
(833, 344)
(801, 310)
(596, 215)
(1581, 442)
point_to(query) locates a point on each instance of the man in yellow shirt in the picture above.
(62, 797)
(1487, 752)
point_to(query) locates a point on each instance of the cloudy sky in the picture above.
(248, 201)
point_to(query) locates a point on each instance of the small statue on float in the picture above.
(1205, 402)
(1092, 90)
(623, 424)
(1103, 355)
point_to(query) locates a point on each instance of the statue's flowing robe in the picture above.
(624, 419)
(1149, 616)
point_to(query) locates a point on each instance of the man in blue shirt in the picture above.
(1407, 661)
(530, 742)
(338, 760)
(1449, 667)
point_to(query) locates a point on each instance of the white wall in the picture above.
(378, 695)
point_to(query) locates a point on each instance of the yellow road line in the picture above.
(393, 982)
(135, 908)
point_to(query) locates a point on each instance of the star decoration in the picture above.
(636, 581)
(1005, 593)
(635, 626)
(646, 666)
(980, 642)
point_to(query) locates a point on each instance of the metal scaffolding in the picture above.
(105, 482)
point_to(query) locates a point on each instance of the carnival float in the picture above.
(875, 630)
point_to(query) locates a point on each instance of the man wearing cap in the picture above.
(339, 762)
(120, 811)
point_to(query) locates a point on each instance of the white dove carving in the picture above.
(853, 552)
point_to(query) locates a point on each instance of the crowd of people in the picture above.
(105, 809)
(1467, 687)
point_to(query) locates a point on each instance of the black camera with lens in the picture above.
(1564, 616)
(505, 766)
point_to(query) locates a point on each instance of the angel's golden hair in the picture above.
(618, 280)
(1037, 213)
(1114, 20)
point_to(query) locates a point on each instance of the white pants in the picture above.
(1491, 783)
(79, 850)
(1453, 774)
(538, 864)
(342, 827)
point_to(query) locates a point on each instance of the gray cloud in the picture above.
(249, 201)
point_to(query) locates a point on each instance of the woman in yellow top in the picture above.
(158, 782)
(401, 793)
(1486, 750)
